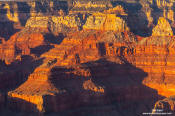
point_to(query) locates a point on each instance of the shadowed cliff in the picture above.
(15, 74)
(122, 85)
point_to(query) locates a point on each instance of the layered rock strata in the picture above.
(97, 21)
(100, 64)
(100, 21)
(69, 61)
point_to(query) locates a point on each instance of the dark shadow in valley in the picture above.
(83, 19)
(102, 49)
(69, 86)
(53, 39)
(173, 29)
(15, 74)
(122, 85)
(49, 39)
(39, 50)
(20, 106)
(7, 29)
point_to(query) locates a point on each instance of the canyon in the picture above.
(81, 58)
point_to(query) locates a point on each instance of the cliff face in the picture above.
(87, 57)
(20, 44)
(89, 61)
(10, 16)
(106, 22)
(50, 83)
(54, 22)
(97, 21)
(146, 14)
(162, 28)
(157, 62)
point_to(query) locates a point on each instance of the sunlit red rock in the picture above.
(162, 28)
(20, 44)
(74, 61)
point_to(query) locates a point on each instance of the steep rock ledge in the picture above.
(162, 28)
(100, 21)
(96, 21)
(20, 44)
(76, 66)
(101, 63)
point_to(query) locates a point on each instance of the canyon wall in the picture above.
(106, 22)
(65, 62)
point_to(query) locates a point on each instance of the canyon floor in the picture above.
(87, 58)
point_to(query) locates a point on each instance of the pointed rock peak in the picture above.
(162, 28)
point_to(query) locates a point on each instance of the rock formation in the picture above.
(54, 22)
(97, 21)
(12, 17)
(119, 10)
(81, 62)
(162, 28)
(105, 22)
(20, 43)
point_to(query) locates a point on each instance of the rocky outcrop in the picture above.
(118, 10)
(19, 102)
(12, 17)
(99, 21)
(147, 13)
(79, 61)
(40, 22)
(108, 22)
(20, 44)
(162, 28)
(101, 65)
(54, 23)
(94, 66)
